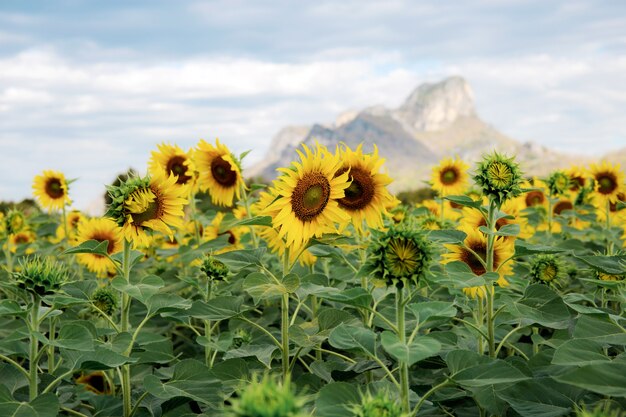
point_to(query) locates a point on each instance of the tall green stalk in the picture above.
(34, 348)
(125, 327)
(284, 324)
(404, 367)
(207, 328)
(490, 287)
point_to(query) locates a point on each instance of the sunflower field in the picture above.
(318, 294)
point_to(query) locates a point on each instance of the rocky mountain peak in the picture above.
(435, 106)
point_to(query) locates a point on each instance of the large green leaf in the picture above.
(191, 379)
(579, 352)
(606, 378)
(536, 399)
(600, 328)
(75, 336)
(140, 290)
(165, 302)
(45, 405)
(263, 287)
(262, 352)
(348, 337)
(218, 308)
(420, 348)
(523, 248)
(494, 372)
(356, 297)
(612, 265)
(541, 305)
(90, 246)
(432, 310)
(337, 399)
(238, 259)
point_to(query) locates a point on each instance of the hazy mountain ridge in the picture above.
(436, 120)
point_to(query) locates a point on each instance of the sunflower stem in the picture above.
(125, 327)
(194, 216)
(67, 236)
(246, 202)
(34, 346)
(609, 248)
(490, 287)
(207, 328)
(7, 255)
(51, 336)
(404, 367)
(442, 207)
(284, 307)
(550, 216)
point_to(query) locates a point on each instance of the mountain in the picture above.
(435, 120)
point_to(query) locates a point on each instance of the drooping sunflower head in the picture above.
(400, 255)
(366, 197)
(379, 405)
(608, 180)
(219, 172)
(610, 277)
(214, 269)
(140, 205)
(450, 177)
(558, 183)
(105, 300)
(267, 397)
(219, 228)
(41, 276)
(51, 189)
(74, 218)
(95, 382)
(172, 160)
(307, 197)
(577, 178)
(546, 269)
(100, 230)
(499, 177)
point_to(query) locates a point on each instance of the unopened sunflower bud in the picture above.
(267, 398)
(214, 269)
(240, 337)
(499, 177)
(105, 300)
(41, 276)
(379, 405)
(546, 269)
(15, 222)
(558, 183)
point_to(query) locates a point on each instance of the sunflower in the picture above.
(617, 216)
(219, 172)
(577, 178)
(477, 242)
(23, 237)
(3, 225)
(450, 177)
(434, 208)
(51, 190)
(96, 382)
(171, 159)
(151, 203)
(473, 219)
(538, 194)
(217, 229)
(609, 181)
(74, 218)
(100, 230)
(367, 196)
(308, 197)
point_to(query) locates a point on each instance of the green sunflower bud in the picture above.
(399, 256)
(214, 269)
(379, 405)
(499, 177)
(240, 337)
(267, 398)
(600, 411)
(609, 277)
(15, 222)
(41, 276)
(558, 183)
(546, 269)
(105, 300)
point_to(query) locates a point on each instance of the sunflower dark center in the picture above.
(402, 258)
(361, 190)
(576, 183)
(20, 239)
(470, 259)
(153, 210)
(231, 237)
(74, 222)
(613, 206)
(310, 196)
(499, 223)
(534, 198)
(562, 206)
(449, 176)
(607, 183)
(54, 188)
(176, 166)
(97, 382)
(223, 173)
(101, 237)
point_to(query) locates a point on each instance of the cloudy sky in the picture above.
(90, 87)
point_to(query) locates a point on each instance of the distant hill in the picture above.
(436, 120)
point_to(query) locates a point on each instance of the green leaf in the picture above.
(506, 230)
(522, 248)
(612, 265)
(599, 328)
(457, 360)
(606, 378)
(447, 236)
(142, 290)
(218, 308)
(75, 336)
(348, 337)
(191, 379)
(262, 287)
(356, 297)
(329, 318)
(494, 372)
(11, 308)
(337, 399)
(542, 305)
(426, 310)
(91, 246)
(536, 399)
(238, 259)
(262, 352)
(164, 302)
(291, 283)
(421, 348)
(464, 200)
(45, 405)
(255, 221)
(579, 352)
